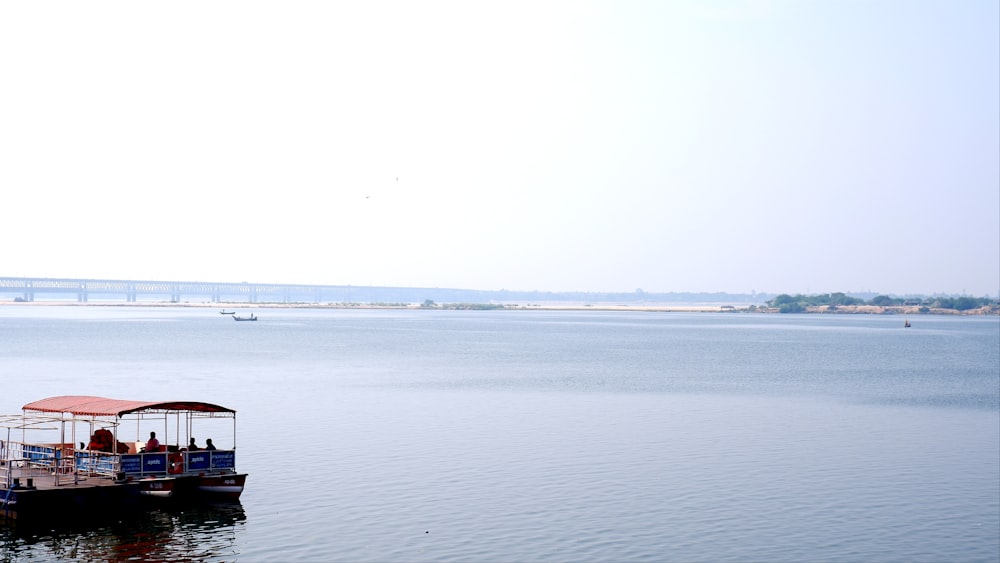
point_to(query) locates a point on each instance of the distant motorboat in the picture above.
(252, 317)
(906, 324)
(225, 312)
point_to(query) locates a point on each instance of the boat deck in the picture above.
(40, 479)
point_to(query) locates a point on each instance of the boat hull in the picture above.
(68, 502)
(219, 486)
(226, 486)
(158, 487)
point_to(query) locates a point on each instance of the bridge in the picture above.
(131, 291)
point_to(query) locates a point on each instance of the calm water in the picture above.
(546, 436)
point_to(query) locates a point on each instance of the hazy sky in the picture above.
(785, 146)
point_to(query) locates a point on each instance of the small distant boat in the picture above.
(225, 312)
(906, 324)
(252, 317)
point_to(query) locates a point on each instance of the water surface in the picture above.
(540, 436)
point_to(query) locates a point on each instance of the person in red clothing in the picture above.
(152, 444)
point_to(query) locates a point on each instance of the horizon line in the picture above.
(502, 290)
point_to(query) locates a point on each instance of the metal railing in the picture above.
(20, 460)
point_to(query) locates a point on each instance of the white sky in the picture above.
(784, 146)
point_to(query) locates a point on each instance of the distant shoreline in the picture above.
(654, 308)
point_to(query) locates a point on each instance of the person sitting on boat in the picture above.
(152, 444)
(192, 446)
(208, 444)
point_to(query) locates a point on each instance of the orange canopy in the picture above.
(99, 406)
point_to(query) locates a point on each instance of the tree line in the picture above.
(798, 303)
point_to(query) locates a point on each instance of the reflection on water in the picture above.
(183, 533)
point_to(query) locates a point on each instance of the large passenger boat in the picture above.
(85, 453)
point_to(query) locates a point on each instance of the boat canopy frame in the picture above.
(105, 412)
(90, 406)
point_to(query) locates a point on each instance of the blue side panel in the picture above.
(223, 459)
(104, 464)
(132, 463)
(154, 463)
(198, 460)
(37, 453)
(83, 462)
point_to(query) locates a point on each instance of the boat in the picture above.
(225, 312)
(43, 472)
(252, 317)
(906, 324)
